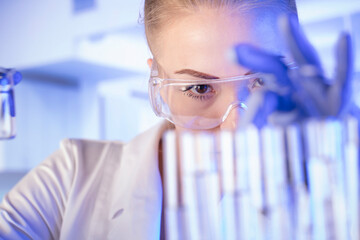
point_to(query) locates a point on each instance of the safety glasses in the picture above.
(200, 104)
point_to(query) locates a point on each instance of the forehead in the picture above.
(201, 40)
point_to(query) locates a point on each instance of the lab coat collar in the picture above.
(136, 209)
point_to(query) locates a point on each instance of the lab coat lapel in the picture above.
(136, 209)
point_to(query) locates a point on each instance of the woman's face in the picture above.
(197, 45)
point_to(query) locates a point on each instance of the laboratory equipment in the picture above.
(300, 181)
(8, 79)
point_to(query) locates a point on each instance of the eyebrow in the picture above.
(196, 74)
(202, 75)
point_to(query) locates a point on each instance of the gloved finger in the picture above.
(254, 104)
(269, 105)
(301, 49)
(261, 61)
(311, 96)
(341, 89)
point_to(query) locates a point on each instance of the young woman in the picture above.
(109, 190)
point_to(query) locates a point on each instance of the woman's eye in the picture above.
(199, 92)
(201, 89)
(258, 82)
(198, 89)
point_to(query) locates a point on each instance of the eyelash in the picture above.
(197, 97)
(256, 80)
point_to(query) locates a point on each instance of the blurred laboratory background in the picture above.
(85, 72)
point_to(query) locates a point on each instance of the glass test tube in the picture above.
(246, 212)
(227, 173)
(172, 204)
(188, 187)
(352, 176)
(8, 79)
(207, 179)
(301, 219)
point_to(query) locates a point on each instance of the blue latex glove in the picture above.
(303, 92)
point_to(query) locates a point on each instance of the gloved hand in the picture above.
(303, 92)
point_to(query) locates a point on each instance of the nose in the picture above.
(232, 120)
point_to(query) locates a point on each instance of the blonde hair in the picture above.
(157, 13)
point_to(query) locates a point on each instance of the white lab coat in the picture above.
(89, 190)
